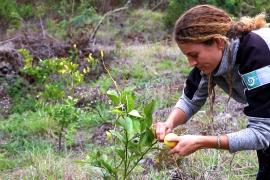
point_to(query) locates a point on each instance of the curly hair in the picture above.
(203, 23)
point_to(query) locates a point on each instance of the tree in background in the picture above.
(236, 8)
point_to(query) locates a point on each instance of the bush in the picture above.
(23, 98)
(235, 8)
(12, 13)
(175, 9)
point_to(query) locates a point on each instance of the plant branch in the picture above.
(8, 40)
(114, 82)
(60, 138)
(150, 148)
(109, 13)
(126, 156)
(42, 27)
(95, 108)
(159, 4)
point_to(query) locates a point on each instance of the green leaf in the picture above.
(121, 153)
(130, 102)
(147, 138)
(127, 124)
(117, 111)
(134, 147)
(135, 113)
(148, 111)
(136, 126)
(114, 97)
(118, 135)
(107, 166)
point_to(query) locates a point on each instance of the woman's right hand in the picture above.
(162, 128)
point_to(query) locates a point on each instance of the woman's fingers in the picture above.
(161, 130)
(186, 145)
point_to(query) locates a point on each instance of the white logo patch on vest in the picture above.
(257, 78)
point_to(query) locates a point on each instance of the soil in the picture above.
(99, 135)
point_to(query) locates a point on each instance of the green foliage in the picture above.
(94, 115)
(65, 115)
(143, 22)
(56, 76)
(12, 13)
(132, 136)
(25, 10)
(175, 9)
(49, 118)
(23, 98)
(234, 7)
(184, 66)
(104, 82)
(75, 18)
(23, 132)
(56, 79)
(86, 17)
(6, 163)
(165, 64)
(28, 123)
(8, 14)
(23, 104)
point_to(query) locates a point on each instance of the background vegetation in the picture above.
(65, 116)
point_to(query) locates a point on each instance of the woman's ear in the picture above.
(220, 43)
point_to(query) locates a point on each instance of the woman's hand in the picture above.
(187, 144)
(162, 128)
(176, 117)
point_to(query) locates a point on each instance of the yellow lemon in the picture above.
(170, 144)
(109, 135)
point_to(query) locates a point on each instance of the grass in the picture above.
(47, 164)
(131, 25)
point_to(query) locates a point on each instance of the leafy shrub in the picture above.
(132, 136)
(233, 7)
(9, 14)
(56, 76)
(74, 19)
(175, 9)
(23, 98)
(65, 115)
(12, 13)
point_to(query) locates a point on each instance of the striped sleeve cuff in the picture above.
(183, 105)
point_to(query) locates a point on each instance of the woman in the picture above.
(236, 57)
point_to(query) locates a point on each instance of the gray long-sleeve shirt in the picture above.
(250, 85)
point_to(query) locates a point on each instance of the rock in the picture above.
(10, 61)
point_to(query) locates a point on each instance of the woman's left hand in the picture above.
(186, 145)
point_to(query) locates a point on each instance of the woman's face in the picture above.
(204, 57)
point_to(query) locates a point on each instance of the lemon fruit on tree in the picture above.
(170, 144)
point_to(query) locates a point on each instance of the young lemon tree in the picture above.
(132, 137)
(56, 79)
